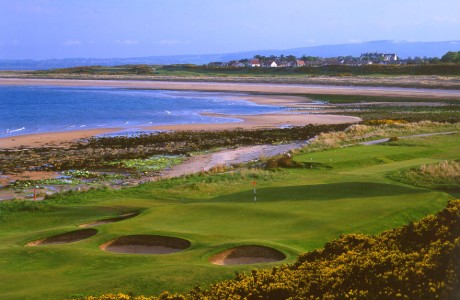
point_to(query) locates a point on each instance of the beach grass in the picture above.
(296, 210)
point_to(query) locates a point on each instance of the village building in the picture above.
(255, 62)
(390, 57)
(379, 58)
(331, 61)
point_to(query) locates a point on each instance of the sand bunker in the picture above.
(244, 255)
(146, 244)
(65, 238)
(111, 220)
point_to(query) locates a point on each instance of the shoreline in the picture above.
(265, 94)
(52, 139)
(248, 122)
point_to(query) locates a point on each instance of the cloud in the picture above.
(73, 43)
(173, 42)
(127, 42)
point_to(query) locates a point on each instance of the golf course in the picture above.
(199, 229)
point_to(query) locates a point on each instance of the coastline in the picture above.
(260, 121)
(266, 94)
(265, 121)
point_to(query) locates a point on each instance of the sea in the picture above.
(40, 109)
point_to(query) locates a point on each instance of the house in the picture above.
(300, 63)
(273, 64)
(236, 64)
(255, 62)
(379, 58)
(331, 61)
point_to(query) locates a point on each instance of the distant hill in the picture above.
(403, 49)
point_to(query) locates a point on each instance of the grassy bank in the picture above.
(444, 69)
(442, 76)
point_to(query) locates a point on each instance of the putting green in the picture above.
(297, 210)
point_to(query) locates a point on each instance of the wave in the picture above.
(8, 131)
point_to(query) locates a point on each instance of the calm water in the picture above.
(30, 109)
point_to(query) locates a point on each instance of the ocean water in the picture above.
(38, 109)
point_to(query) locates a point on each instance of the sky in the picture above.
(47, 29)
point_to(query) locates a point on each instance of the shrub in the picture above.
(282, 161)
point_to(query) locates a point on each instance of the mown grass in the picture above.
(297, 210)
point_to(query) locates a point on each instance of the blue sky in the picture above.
(43, 29)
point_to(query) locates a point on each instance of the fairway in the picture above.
(297, 210)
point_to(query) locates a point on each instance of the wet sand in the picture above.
(55, 139)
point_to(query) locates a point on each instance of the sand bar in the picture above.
(268, 88)
(264, 121)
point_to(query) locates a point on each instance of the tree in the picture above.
(451, 57)
(291, 58)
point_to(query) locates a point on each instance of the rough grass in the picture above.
(443, 175)
(383, 129)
